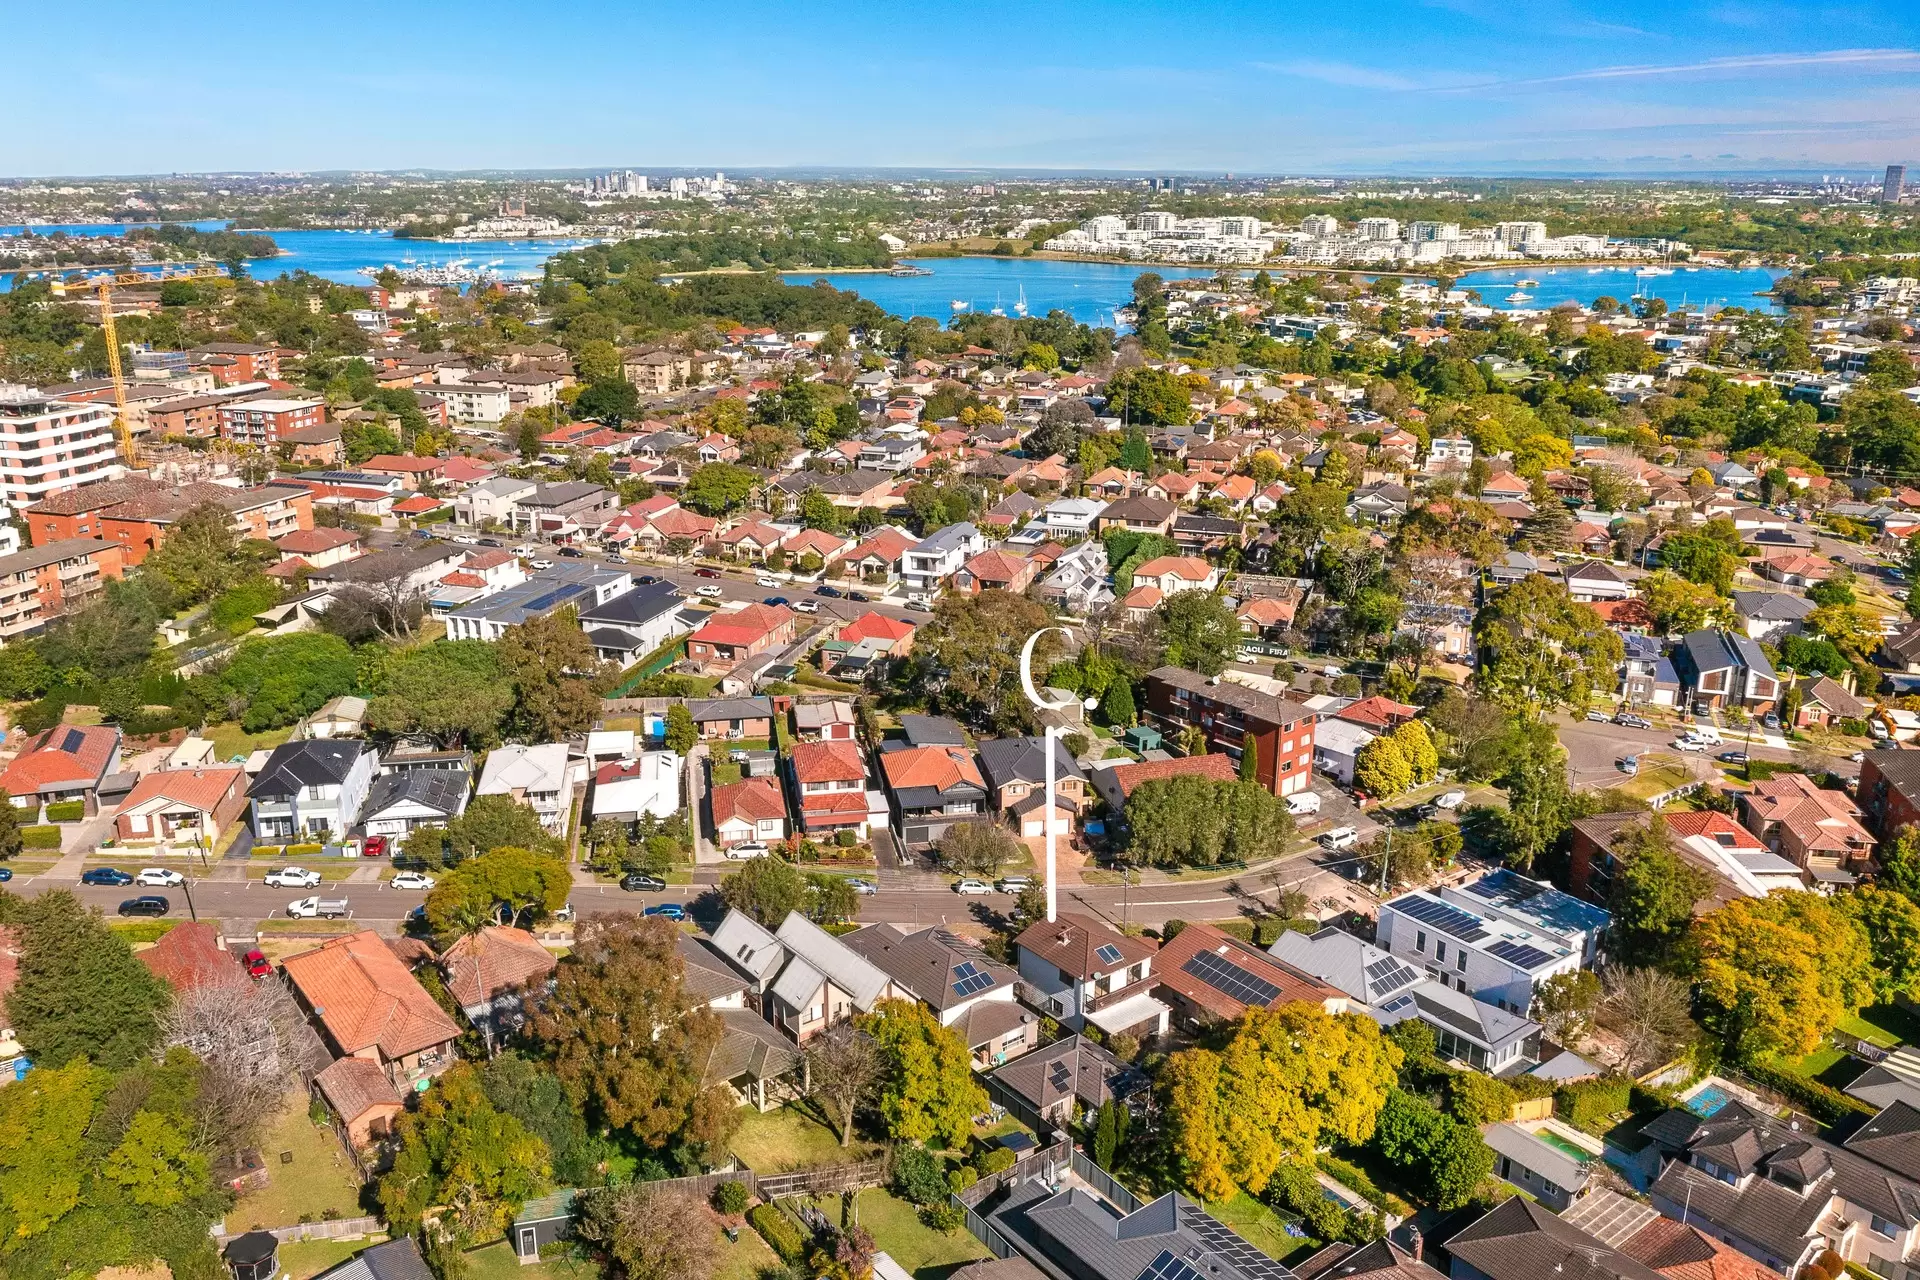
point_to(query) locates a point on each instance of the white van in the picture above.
(1705, 734)
(1340, 838)
(1303, 802)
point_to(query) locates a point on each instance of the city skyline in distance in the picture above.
(1692, 88)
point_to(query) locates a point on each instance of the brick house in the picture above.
(369, 1006)
(1889, 789)
(135, 512)
(732, 636)
(829, 780)
(1231, 716)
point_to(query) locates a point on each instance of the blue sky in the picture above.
(1410, 86)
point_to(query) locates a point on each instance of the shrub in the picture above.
(960, 1179)
(303, 850)
(917, 1175)
(40, 837)
(998, 1160)
(266, 851)
(1825, 1103)
(67, 811)
(1295, 1187)
(845, 839)
(1352, 1175)
(779, 1231)
(730, 1198)
(943, 1217)
(1587, 1102)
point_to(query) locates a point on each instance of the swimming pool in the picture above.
(1708, 1100)
(1564, 1146)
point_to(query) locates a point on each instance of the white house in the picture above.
(492, 500)
(541, 777)
(934, 559)
(1070, 517)
(649, 784)
(1177, 573)
(401, 803)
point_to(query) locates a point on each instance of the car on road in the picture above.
(1690, 744)
(1629, 765)
(375, 847)
(573, 553)
(746, 850)
(412, 880)
(706, 573)
(464, 539)
(859, 597)
(973, 888)
(1340, 838)
(1600, 717)
(1627, 720)
(293, 877)
(1426, 811)
(831, 593)
(258, 966)
(640, 882)
(1732, 757)
(6, 873)
(644, 580)
(764, 581)
(708, 592)
(159, 878)
(671, 910)
(774, 602)
(112, 876)
(1451, 799)
(565, 914)
(919, 606)
(151, 904)
(865, 888)
(317, 908)
(806, 606)
(541, 563)
(491, 542)
(1013, 884)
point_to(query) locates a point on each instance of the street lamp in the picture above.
(1051, 736)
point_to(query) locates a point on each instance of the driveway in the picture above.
(704, 850)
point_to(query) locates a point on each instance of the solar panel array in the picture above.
(967, 979)
(1519, 953)
(1397, 1004)
(1108, 954)
(1170, 1267)
(1060, 1077)
(1222, 1240)
(1230, 979)
(1389, 974)
(1447, 919)
(547, 599)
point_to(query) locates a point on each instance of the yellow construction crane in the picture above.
(120, 424)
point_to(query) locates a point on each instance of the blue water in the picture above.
(339, 255)
(1088, 291)
(1687, 286)
(1708, 1101)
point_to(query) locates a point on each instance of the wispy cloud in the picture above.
(1885, 59)
(1346, 74)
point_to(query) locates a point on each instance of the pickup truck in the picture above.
(319, 908)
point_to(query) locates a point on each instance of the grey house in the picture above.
(312, 789)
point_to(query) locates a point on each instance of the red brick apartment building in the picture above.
(39, 585)
(262, 422)
(1233, 715)
(135, 512)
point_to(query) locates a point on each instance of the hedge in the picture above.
(67, 811)
(40, 837)
(303, 850)
(777, 1229)
(998, 1160)
(266, 851)
(1825, 1103)
(1353, 1176)
(1586, 1102)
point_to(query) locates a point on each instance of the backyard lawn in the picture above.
(788, 1138)
(745, 1260)
(1658, 774)
(498, 1262)
(897, 1228)
(1885, 1025)
(302, 1259)
(319, 1178)
(230, 740)
(1262, 1228)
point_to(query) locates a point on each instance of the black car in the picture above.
(573, 553)
(151, 904)
(644, 580)
(111, 876)
(634, 882)
(859, 597)
(832, 593)
(490, 542)
(1732, 757)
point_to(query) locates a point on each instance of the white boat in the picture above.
(1020, 307)
(1527, 284)
(1518, 296)
(1653, 271)
(959, 306)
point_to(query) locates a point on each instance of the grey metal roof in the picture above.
(317, 762)
(1772, 606)
(1357, 967)
(634, 608)
(444, 790)
(395, 1260)
(932, 731)
(706, 709)
(1549, 1162)
(1025, 760)
(814, 948)
(1082, 1235)
(745, 943)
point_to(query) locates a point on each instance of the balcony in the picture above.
(1118, 994)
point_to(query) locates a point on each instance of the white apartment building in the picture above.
(1519, 234)
(1155, 220)
(1379, 228)
(1423, 231)
(50, 446)
(1320, 225)
(478, 402)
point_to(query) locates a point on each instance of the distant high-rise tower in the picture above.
(1895, 184)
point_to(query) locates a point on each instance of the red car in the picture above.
(376, 847)
(258, 965)
(706, 573)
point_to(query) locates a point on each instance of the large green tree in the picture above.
(462, 1167)
(502, 886)
(1539, 650)
(1201, 821)
(1197, 630)
(452, 689)
(80, 992)
(966, 658)
(930, 1093)
(490, 822)
(1775, 974)
(1652, 894)
(557, 677)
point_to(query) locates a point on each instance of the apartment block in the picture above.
(48, 445)
(262, 422)
(1232, 716)
(39, 585)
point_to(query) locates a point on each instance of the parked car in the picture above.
(541, 563)
(1770, 720)
(565, 914)
(1340, 838)
(773, 602)
(151, 904)
(573, 553)
(1451, 799)
(708, 592)
(671, 910)
(1689, 744)
(919, 606)
(644, 580)
(159, 878)
(464, 539)
(111, 876)
(1629, 766)
(973, 888)
(293, 877)
(375, 847)
(6, 874)
(832, 593)
(490, 542)
(258, 966)
(859, 597)
(1732, 757)
(1627, 720)
(738, 755)
(1599, 717)
(806, 606)
(639, 882)
(746, 850)
(412, 880)
(865, 888)
(764, 581)
(317, 908)
(1013, 884)
(706, 573)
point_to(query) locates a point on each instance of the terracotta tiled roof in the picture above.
(1218, 767)
(1070, 942)
(62, 754)
(936, 767)
(405, 465)
(366, 998)
(482, 965)
(1292, 983)
(190, 954)
(1377, 712)
(201, 789)
(831, 761)
(307, 542)
(876, 626)
(1186, 568)
(355, 1086)
(752, 800)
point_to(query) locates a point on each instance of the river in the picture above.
(1680, 286)
(1088, 291)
